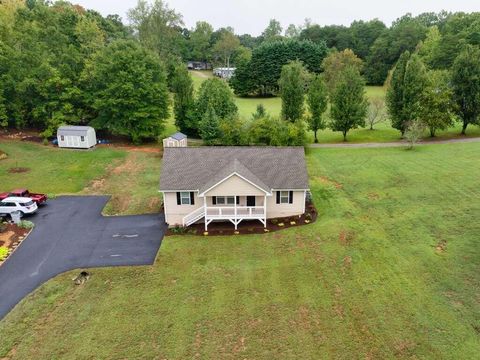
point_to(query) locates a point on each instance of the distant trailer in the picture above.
(76, 137)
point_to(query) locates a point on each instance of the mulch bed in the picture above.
(250, 226)
(11, 236)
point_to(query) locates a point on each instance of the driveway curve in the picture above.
(70, 233)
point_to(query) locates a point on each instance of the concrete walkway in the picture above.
(70, 233)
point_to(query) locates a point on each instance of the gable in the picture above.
(234, 185)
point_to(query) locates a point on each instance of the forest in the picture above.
(63, 64)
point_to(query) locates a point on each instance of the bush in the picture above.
(25, 224)
(3, 252)
(178, 230)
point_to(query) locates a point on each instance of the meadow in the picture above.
(389, 270)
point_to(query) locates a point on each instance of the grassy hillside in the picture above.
(389, 270)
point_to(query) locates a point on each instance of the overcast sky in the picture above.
(252, 16)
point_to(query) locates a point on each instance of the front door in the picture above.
(250, 201)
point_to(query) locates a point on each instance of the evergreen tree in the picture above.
(215, 93)
(317, 100)
(210, 127)
(395, 94)
(184, 102)
(260, 112)
(349, 105)
(466, 86)
(292, 90)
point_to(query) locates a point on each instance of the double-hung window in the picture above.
(284, 197)
(185, 198)
(225, 200)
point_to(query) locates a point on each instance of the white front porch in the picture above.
(229, 208)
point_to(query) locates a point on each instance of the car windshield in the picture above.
(30, 203)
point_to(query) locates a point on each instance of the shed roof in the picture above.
(199, 168)
(73, 130)
(178, 136)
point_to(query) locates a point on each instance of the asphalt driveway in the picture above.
(70, 233)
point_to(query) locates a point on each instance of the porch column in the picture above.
(205, 211)
(235, 209)
(265, 211)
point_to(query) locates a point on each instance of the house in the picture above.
(176, 140)
(78, 137)
(199, 65)
(224, 72)
(205, 184)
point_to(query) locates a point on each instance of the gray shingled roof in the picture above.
(73, 130)
(178, 136)
(198, 168)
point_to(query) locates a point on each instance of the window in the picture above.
(284, 197)
(185, 198)
(30, 203)
(82, 138)
(62, 138)
(225, 200)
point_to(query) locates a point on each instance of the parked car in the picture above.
(24, 193)
(23, 205)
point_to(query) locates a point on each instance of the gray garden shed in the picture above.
(77, 137)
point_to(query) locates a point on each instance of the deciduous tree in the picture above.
(436, 102)
(292, 90)
(466, 86)
(128, 90)
(334, 65)
(317, 100)
(349, 105)
(215, 93)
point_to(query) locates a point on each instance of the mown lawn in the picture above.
(389, 270)
(52, 170)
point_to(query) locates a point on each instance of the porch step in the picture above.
(194, 216)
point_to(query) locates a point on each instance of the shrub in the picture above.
(178, 230)
(25, 224)
(3, 252)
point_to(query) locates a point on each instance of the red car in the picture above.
(38, 198)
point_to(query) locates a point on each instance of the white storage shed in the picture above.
(176, 140)
(77, 137)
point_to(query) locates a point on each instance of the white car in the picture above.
(21, 204)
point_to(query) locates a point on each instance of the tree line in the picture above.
(63, 64)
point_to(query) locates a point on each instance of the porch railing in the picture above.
(244, 212)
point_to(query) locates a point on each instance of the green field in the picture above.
(389, 270)
(52, 170)
(382, 133)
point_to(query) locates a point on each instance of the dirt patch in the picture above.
(441, 247)
(325, 180)
(3, 156)
(18, 170)
(346, 237)
(373, 196)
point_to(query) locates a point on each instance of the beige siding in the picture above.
(175, 213)
(235, 185)
(275, 210)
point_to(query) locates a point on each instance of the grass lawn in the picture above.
(130, 176)
(52, 170)
(383, 132)
(389, 270)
